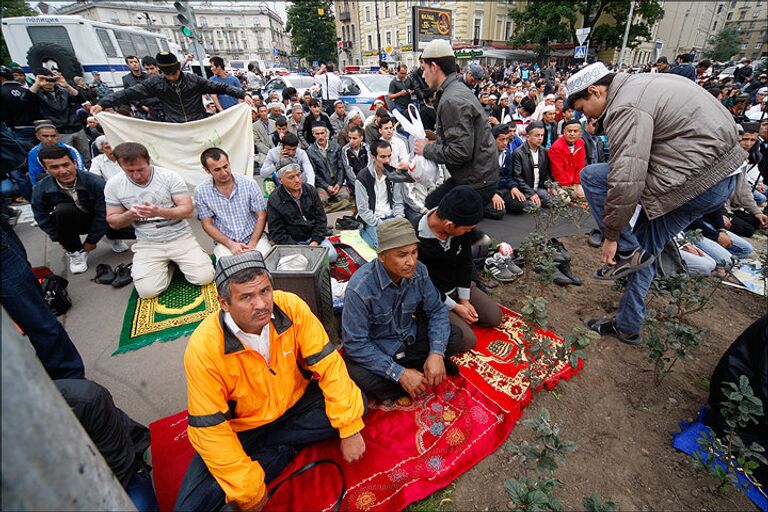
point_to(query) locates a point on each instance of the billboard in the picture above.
(429, 24)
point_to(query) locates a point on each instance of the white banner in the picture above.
(177, 146)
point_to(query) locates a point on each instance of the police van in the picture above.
(77, 46)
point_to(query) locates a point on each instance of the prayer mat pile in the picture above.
(413, 447)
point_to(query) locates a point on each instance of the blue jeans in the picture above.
(740, 248)
(22, 296)
(273, 446)
(368, 233)
(651, 235)
(332, 254)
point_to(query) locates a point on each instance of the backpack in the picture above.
(55, 293)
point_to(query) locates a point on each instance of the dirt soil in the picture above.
(620, 420)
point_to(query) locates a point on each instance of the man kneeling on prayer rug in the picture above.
(395, 326)
(253, 401)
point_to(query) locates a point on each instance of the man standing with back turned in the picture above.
(675, 170)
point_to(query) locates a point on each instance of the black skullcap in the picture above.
(462, 205)
(500, 129)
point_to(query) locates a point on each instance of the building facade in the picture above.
(348, 32)
(230, 30)
(750, 17)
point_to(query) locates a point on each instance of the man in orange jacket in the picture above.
(567, 157)
(253, 401)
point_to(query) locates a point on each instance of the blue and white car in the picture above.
(362, 90)
(300, 82)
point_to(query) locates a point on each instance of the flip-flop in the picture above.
(104, 274)
(625, 265)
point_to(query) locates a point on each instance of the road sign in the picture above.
(314, 64)
(383, 56)
(275, 51)
(388, 49)
(581, 34)
(580, 52)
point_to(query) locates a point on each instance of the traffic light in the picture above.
(185, 18)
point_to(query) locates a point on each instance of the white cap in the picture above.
(586, 77)
(548, 108)
(493, 97)
(762, 90)
(437, 48)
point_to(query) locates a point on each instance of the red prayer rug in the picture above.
(413, 447)
(348, 261)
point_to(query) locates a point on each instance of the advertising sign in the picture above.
(429, 24)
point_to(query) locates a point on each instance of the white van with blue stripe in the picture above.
(77, 46)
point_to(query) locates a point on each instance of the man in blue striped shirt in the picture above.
(48, 135)
(230, 207)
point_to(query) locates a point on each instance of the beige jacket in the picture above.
(670, 141)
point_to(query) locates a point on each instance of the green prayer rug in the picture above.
(174, 313)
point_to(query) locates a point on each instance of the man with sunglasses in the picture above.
(180, 93)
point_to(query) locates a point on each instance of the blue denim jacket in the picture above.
(379, 320)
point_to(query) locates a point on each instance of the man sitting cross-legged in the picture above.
(230, 207)
(530, 170)
(67, 203)
(330, 173)
(157, 203)
(295, 212)
(395, 327)
(445, 247)
(253, 402)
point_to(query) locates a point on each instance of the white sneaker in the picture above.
(78, 262)
(118, 246)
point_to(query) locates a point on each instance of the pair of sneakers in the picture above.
(502, 268)
(78, 260)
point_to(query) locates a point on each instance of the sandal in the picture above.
(625, 265)
(104, 274)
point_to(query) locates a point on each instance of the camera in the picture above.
(50, 79)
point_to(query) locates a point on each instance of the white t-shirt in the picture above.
(330, 84)
(535, 162)
(162, 186)
(382, 199)
(104, 167)
(399, 150)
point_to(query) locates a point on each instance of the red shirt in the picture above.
(564, 165)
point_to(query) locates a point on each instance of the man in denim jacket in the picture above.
(395, 327)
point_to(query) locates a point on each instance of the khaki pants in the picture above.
(263, 246)
(152, 271)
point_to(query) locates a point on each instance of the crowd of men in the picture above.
(499, 141)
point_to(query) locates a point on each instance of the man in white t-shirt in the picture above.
(330, 84)
(104, 164)
(157, 203)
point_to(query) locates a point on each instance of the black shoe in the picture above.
(104, 274)
(595, 238)
(626, 264)
(560, 248)
(607, 327)
(450, 367)
(397, 176)
(347, 223)
(122, 276)
(565, 268)
(561, 279)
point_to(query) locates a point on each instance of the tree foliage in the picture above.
(555, 21)
(724, 44)
(10, 8)
(313, 34)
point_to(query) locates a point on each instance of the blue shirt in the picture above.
(379, 317)
(225, 100)
(35, 168)
(235, 216)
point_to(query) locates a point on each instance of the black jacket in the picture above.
(19, 105)
(685, 70)
(329, 168)
(129, 80)
(306, 127)
(90, 193)
(182, 100)
(60, 108)
(522, 169)
(595, 155)
(417, 83)
(449, 268)
(291, 223)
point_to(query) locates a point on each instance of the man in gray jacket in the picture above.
(464, 140)
(676, 170)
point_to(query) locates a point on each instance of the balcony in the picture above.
(344, 16)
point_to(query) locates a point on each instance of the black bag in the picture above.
(55, 293)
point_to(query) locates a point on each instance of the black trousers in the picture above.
(71, 222)
(415, 356)
(743, 224)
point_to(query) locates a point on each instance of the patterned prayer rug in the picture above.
(174, 313)
(413, 447)
(347, 263)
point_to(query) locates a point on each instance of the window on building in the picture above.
(397, 38)
(719, 8)
(353, 33)
(758, 45)
(746, 3)
(203, 21)
(367, 13)
(389, 37)
(508, 30)
(227, 21)
(477, 30)
(386, 9)
(751, 25)
(744, 46)
(714, 26)
(370, 43)
(742, 15)
(396, 9)
(755, 13)
(762, 34)
(729, 17)
(733, 3)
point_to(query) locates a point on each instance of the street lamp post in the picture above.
(626, 33)
(378, 31)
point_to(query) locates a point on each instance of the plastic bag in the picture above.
(420, 167)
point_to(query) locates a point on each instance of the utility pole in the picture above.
(626, 34)
(378, 30)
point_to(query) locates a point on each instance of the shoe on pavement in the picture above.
(118, 246)
(499, 270)
(607, 327)
(122, 275)
(595, 238)
(78, 261)
(510, 263)
(104, 274)
(626, 264)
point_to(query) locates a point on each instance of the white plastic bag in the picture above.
(419, 168)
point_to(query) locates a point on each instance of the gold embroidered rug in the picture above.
(174, 313)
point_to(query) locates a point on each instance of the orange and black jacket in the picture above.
(231, 388)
